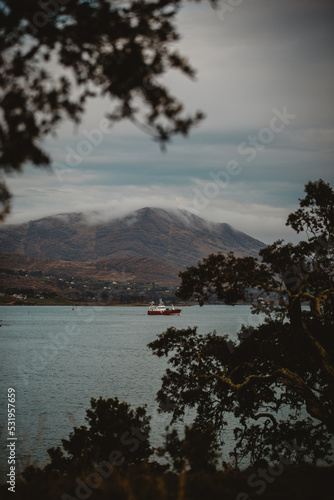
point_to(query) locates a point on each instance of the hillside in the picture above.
(134, 258)
(139, 269)
(176, 237)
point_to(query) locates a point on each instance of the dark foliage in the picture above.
(118, 50)
(278, 378)
(197, 451)
(116, 435)
(142, 483)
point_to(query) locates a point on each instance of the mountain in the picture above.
(139, 269)
(173, 237)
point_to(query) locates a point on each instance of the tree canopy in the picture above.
(56, 54)
(277, 379)
(115, 434)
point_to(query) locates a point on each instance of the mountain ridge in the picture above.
(175, 237)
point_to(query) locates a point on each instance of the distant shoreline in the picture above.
(99, 304)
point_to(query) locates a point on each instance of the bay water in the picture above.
(56, 359)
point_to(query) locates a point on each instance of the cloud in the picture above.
(261, 55)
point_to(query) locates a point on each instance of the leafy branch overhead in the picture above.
(279, 372)
(55, 55)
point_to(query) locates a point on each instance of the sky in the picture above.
(265, 83)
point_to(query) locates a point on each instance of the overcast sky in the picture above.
(265, 82)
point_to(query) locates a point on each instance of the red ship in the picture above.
(162, 310)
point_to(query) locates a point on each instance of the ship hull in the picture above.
(164, 313)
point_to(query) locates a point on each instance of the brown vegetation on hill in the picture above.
(139, 269)
(149, 245)
(175, 237)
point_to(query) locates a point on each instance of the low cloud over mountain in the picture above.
(175, 237)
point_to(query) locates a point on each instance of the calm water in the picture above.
(56, 359)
